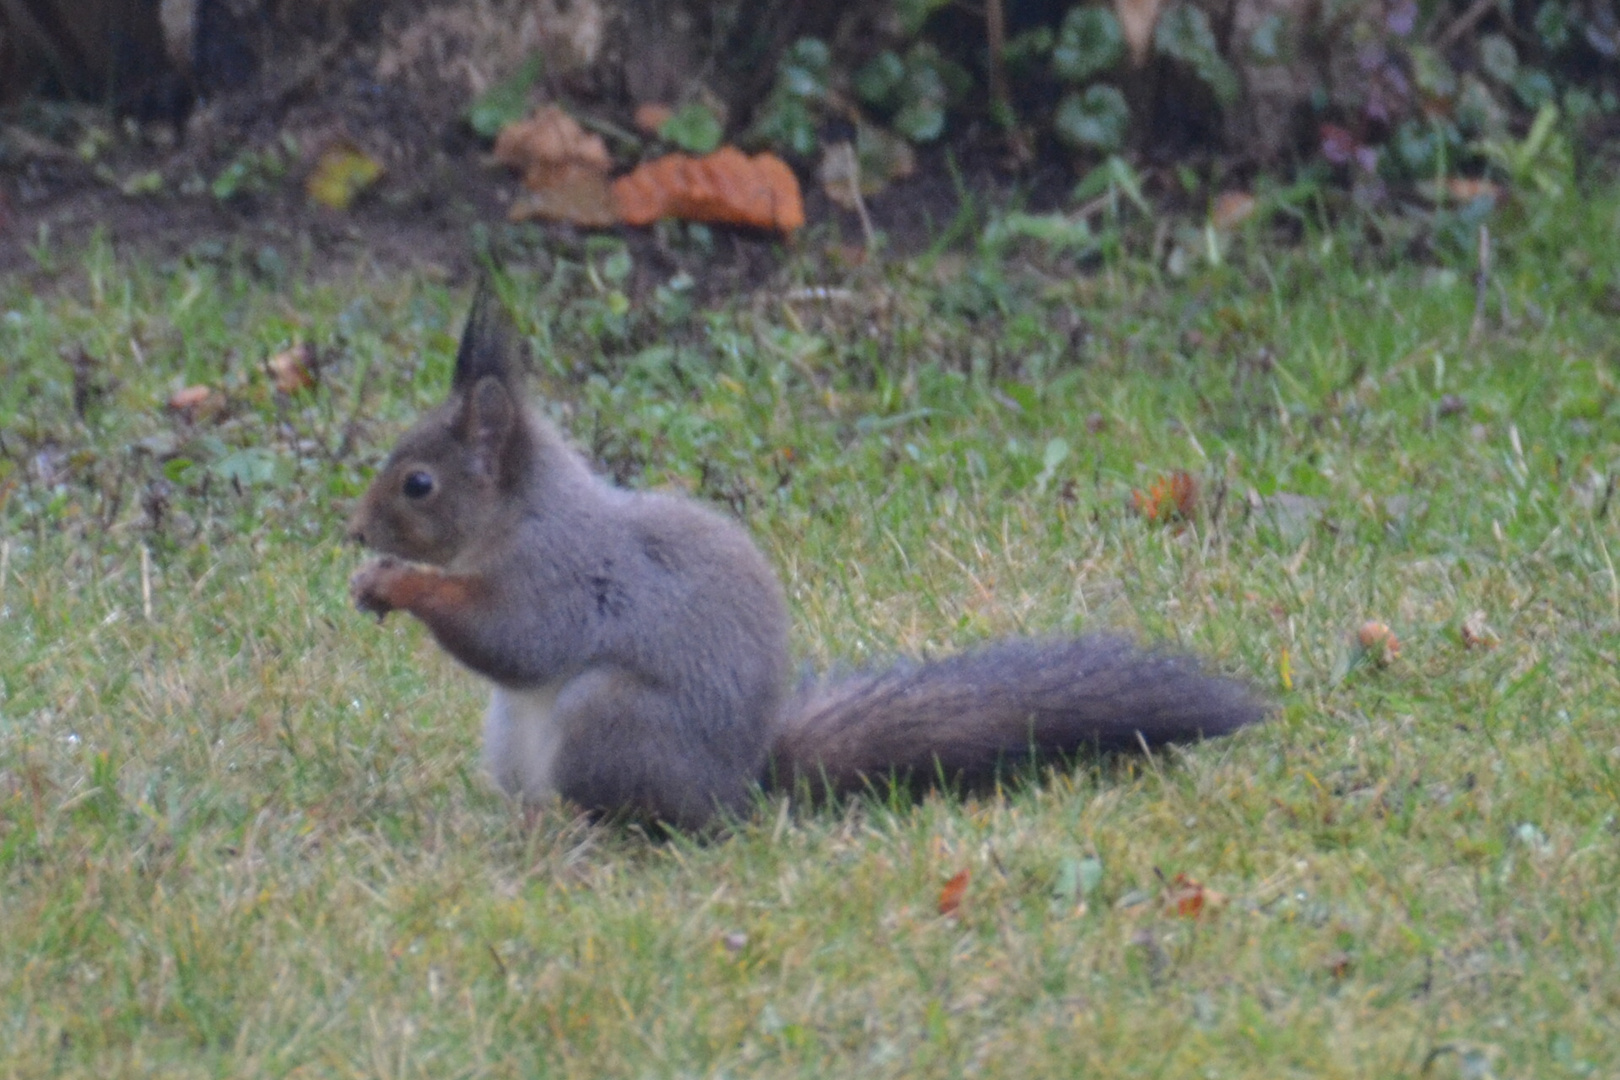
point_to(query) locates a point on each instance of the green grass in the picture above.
(243, 830)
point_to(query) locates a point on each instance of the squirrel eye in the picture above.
(418, 485)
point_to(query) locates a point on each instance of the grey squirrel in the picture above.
(638, 642)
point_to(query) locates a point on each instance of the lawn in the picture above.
(243, 830)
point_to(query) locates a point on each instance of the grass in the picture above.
(243, 832)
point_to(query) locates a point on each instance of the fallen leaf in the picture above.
(1172, 496)
(197, 402)
(341, 173)
(1339, 964)
(725, 187)
(292, 370)
(1138, 19)
(1231, 209)
(564, 168)
(1477, 633)
(1189, 898)
(950, 897)
(651, 115)
(1466, 189)
(1378, 641)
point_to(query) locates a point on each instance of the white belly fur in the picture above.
(521, 738)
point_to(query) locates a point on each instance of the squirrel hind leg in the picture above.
(627, 752)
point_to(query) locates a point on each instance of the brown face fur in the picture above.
(434, 495)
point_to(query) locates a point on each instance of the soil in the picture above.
(70, 174)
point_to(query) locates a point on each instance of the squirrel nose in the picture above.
(355, 531)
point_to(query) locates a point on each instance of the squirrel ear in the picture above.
(488, 344)
(488, 421)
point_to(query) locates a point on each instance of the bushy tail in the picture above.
(963, 717)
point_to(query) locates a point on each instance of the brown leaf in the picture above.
(564, 169)
(1231, 209)
(292, 370)
(950, 896)
(1189, 898)
(1379, 641)
(197, 402)
(650, 116)
(726, 187)
(1138, 19)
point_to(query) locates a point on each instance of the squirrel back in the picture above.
(638, 643)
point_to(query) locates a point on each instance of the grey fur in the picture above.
(648, 637)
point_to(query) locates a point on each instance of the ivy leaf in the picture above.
(1184, 34)
(1498, 58)
(506, 102)
(803, 73)
(694, 128)
(786, 123)
(878, 81)
(1093, 120)
(1089, 43)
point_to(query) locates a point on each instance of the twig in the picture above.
(146, 582)
(859, 200)
(995, 32)
(1465, 22)
(1482, 283)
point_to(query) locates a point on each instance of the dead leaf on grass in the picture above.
(1173, 496)
(1378, 641)
(197, 403)
(293, 369)
(1189, 898)
(950, 896)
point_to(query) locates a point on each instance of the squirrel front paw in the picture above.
(372, 583)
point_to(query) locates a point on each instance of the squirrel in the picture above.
(638, 641)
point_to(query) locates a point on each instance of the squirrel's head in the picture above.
(453, 474)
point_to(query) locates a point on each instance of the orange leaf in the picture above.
(726, 187)
(950, 897)
(1173, 495)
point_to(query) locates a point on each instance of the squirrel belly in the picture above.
(521, 738)
(638, 642)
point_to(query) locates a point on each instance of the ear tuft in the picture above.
(489, 421)
(488, 344)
